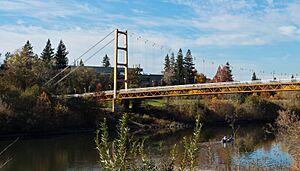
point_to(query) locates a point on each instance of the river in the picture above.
(75, 152)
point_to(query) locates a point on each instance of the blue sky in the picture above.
(252, 35)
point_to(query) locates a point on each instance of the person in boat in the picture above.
(224, 139)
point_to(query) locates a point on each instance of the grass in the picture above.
(155, 102)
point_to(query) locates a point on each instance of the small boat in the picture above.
(230, 139)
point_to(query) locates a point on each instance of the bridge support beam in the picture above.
(116, 64)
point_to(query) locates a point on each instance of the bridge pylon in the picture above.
(116, 63)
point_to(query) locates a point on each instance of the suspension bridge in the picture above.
(166, 91)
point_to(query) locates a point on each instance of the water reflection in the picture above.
(77, 152)
(69, 152)
(268, 156)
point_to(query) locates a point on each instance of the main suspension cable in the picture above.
(92, 47)
(73, 70)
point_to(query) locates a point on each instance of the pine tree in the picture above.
(228, 74)
(172, 65)
(48, 53)
(179, 69)
(28, 50)
(61, 56)
(254, 77)
(188, 67)
(81, 63)
(172, 61)
(167, 63)
(105, 61)
(168, 74)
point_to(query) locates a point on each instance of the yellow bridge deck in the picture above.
(197, 89)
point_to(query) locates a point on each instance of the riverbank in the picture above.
(213, 110)
(51, 116)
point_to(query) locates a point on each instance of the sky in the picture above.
(261, 36)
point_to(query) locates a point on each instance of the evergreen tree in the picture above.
(179, 69)
(48, 52)
(167, 63)
(228, 72)
(254, 77)
(105, 61)
(7, 56)
(168, 73)
(172, 65)
(134, 77)
(61, 56)
(27, 53)
(81, 63)
(28, 50)
(172, 61)
(188, 67)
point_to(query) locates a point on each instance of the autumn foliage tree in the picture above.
(223, 74)
(201, 78)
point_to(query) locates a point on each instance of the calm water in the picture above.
(77, 152)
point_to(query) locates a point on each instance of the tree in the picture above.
(48, 53)
(28, 50)
(179, 69)
(172, 65)
(223, 74)
(105, 61)
(1, 65)
(7, 56)
(168, 71)
(254, 77)
(81, 63)
(17, 71)
(201, 78)
(228, 73)
(188, 67)
(61, 56)
(134, 77)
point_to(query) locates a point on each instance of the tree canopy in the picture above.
(48, 53)
(254, 77)
(61, 56)
(179, 69)
(105, 61)
(188, 67)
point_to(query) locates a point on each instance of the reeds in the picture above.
(126, 153)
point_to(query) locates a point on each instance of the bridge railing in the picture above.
(206, 85)
(188, 86)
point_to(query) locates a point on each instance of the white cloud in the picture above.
(288, 30)
(230, 39)
(77, 40)
(225, 23)
(43, 10)
(230, 22)
(138, 11)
